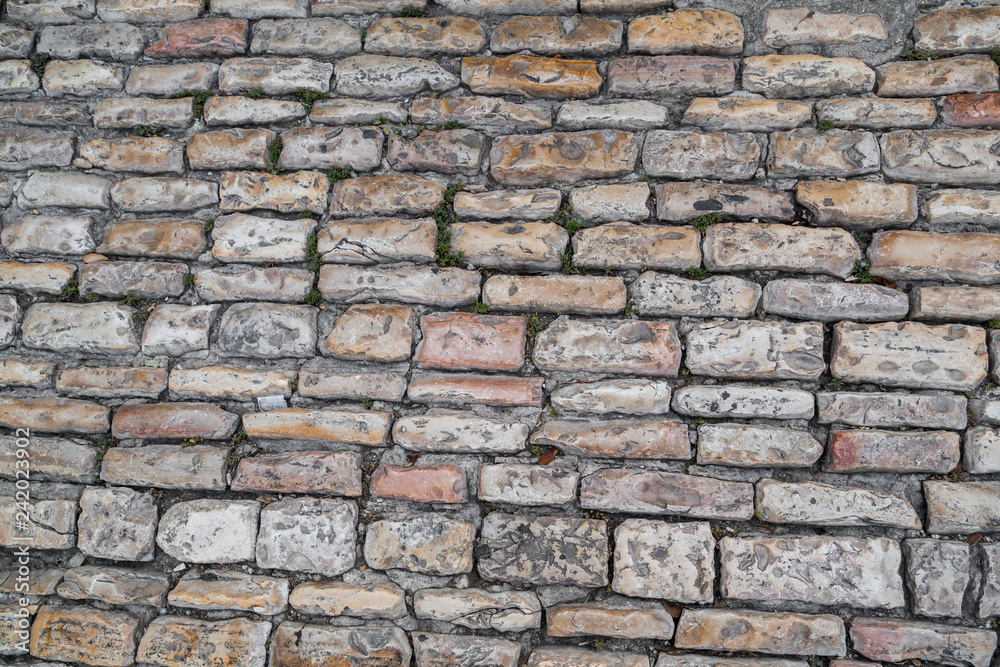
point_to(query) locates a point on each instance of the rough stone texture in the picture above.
(937, 573)
(641, 570)
(833, 302)
(209, 531)
(479, 609)
(894, 641)
(611, 346)
(429, 543)
(892, 410)
(962, 507)
(813, 503)
(622, 245)
(753, 350)
(91, 636)
(637, 492)
(671, 296)
(229, 589)
(117, 524)
(300, 644)
(335, 599)
(743, 402)
(754, 446)
(175, 640)
(749, 246)
(307, 535)
(761, 632)
(564, 157)
(907, 255)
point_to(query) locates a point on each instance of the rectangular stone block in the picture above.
(564, 157)
(756, 446)
(815, 504)
(761, 632)
(336, 598)
(378, 77)
(529, 246)
(200, 467)
(937, 572)
(808, 152)
(668, 295)
(385, 195)
(688, 576)
(352, 386)
(230, 589)
(962, 507)
(531, 77)
(292, 193)
(743, 402)
(173, 641)
(716, 155)
(177, 238)
(314, 535)
(462, 389)
(49, 235)
(743, 246)
(444, 151)
(229, 149)
(459, 433)
(909, 354)
(892, 410)
(612, 346)
(115, 585)
(112, 381)
(461, 341)
(151, 194)
(427, 543)
(946, 157)
(622, 245)
(359, 428)
(64, 190)
(858, 203)
(833, 302)
(861, 450)
(753, 350)
(359, 148)
(929, 78)
(464, 650)
(627, 396)
(239, 110)
(955, 304)
(53, 415)
(583, 295)
(530, 485)
(91, 636)
(532, 204)
(815, 570)
(276, 76)
(378, 241)
(297, 644)
(46, 277)
(421, 483)
(616, 616)
(801, 25)
(54, 459)
(624, 438)
(15, 373)
(229, 382)
(893, 640)
(639, 492)
(912, 255)
(51, 526)
(679, 202)
(323, 473)
(872, 113)
(478, 609)
(666, 76)
(806, 75)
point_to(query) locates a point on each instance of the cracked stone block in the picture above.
(231, 589)
(640, 492)
(84, 634)
(464, 650)
(643, 569)
(335, 598)
(478, 609)
(761, 632)
(117, 524)
(115, 585)
(302, 644)
(209, 531)
(52, 524)
(624, 438)
(937, 573)
(893, 640)
(812, 503)
(308, 535)
(173, 641)
(428, 543)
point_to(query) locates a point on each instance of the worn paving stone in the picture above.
(761, 632)
(52, 524)
(478, 609)
(815, 570)
(946, 76)
(237, 283)
(305, 37)
(746, 113)
(158, 80)
(610, 346)
(530, 485)
(240, 332)
(323, 425)
(385, 195)
(542, 550)
(566, 656)
(531, 77)
(708, 31)
(660, 77)
(743, 402)
(111, 381)
(812, 503)
(937, 573)
(231, 589)
(909, 354)
(624, 438)
(299, 643)
(422, 484)
(229, 149)
(152, 194)
(308, 535)
(954, 304)
(88, 635)
(209, 531)
(622, 245)
(755, 446)
(618, 617)
(464, 650)
(742, 246)
(906, 255)
(608, 203)
(460, 389)
(971, 110)
(537, 246)
(551, 35)
(458, 433)
(962, 507)
(894, 640)
(15, 373)
(117, 524)
(432, 286)
(335, 598)
(892, 410)
(173, 421)
(178, 640)
(714, 155)
(961, 205)
(59, 189)
(641, 569)
(377, 241)
(948, 157)
(581, 295)
(115, 585)
(833, 302)
(359, 148)
(238, 110)
(697, 660)
(565, 157)
(145, 280)
(989, 599)
(874, 113)
(425, 37)
(804, 26)
(982, 450)
(167, 467)
(460, 341)
(887, 451)
(275, 76)
(322, 473)
(229, 382)
(379, 77)
(49, 235)
(247, 238)
(668, 295)
(858, 203)
(627, 396)
(754, 350)
(428, 543)
(354, 386)
(480, 112)
(631, 115)
(371, 332)
(806, 75)
(53, 459)
(54, 415)
(293, 193)
(110, 41)
(638, 492)
(807, 152)
(182, 238)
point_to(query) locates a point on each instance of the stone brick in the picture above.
(55, 459)
(988, 599)
(946, 157)
(432, 286)
(686, 154)
(600, 295)
(746, 113)
(50, 12)
(382, 77)
(895, 640)
(564, 157)
(627, 396)
(15, 42)
(480, 112)
(84, 634)
(608, 203)
(145, 280)
(422, 484)
(907, 255)
(175, 330)
(275, 76)
(295, 192)
(719, 296)
(530, 485)
(148, 11)
(531, 77)
(536, 204)
(321, 473)
(229, 382)
(238, 110)
(478, 609)
(972, 110)
(236, 283)
(354, 386)
(323, 38)
(858, 203)
(123, 113)
(178, 640)
(229, 149)
(631, 115)
(428, 543)
(517, 246)
(142, 155)
(431, 649)
(807, 152)
(963, 74)
(371, 332)
(247, 238)
(909, 354)
(761, 632)
(378, 241)
(385, 195)
(463, 341)
(360, 428)
(425, 37)
(209, 531)
(145, 195)
(98, 328)
(756, 246)
(45, 113)
(696, 660)
(639, 492)
(982, 450)
(111, 41)
(708, 31)
(632, 439)
(52, 522)
(812, 503)
(167, 467)
(543, 550)
(173, 421)
(14, 373)
(557, 35)
(833, 302)
(505, 7)
(49, 235)
(887, 451)
(115, 585)
(892, 410)
(171, 79)
(335, 598)
(25, 148)
(458, 433)
(804, 26)
(872, 113)
(111, 381)
(64, 190)
(937, 573)
(359, 148)
(743, 402)
(754, 350)
(308, 535)
(622, 245)
(300, 644)
(962, 507)
(45, 277)
(955, 205)
(462, 389)
(814, 570)
(16, 76)
(566, 656)
(117, 524)
(212, 590)
(641, 570)
(665, 76)
(753, 446)
(446, 152)
(609, 346)
(82, 78)
(618, 617)
(957, 30)
(806, 75)
(265, 9)
(251, 329)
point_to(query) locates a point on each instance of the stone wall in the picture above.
(499, 332)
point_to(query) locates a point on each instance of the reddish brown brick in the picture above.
(431, 484)
(890, 451)
(324, 473)
(173, 420)
(459, 390)
(972, 110)
(465, 341)
(200, 38)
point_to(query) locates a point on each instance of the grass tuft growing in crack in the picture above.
(444, 215)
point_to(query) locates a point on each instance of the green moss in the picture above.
(702, 222)
(38, 63)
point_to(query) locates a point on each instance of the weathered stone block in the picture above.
(322, 473)
(372, 332)
(892, 410)
(833, 302)
(894, 640)
(230, 589)
(428, 543)
(530, 485)
(422, 484)
(167, 467)
(335, 598)
(761, 632)
(478, 609)
(173, 421)
(666, 76)
(555, 35)
(755, 446)
(687, 154)
(937, 572)
(84, 634)
(640, 492)
(117, 524)
(664, 294)
(743, 402)
(816, 504)
(861, 450)
(462, 389)
(531, 77)
(385, 76)
(806, 75)
(612, 346)
(627, 396)
(625, 438)
(308, 535)
(565, 157)
(962, 507)
(324, 425)
(622, 245)
(753, 350)
(585, 295)
(433, 286)
(209, 531)
(300, 644)
(459, 433)
(687, 576)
